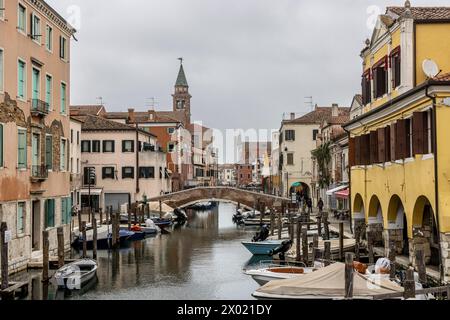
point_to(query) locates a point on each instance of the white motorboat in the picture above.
(264, 275)
(74, 275)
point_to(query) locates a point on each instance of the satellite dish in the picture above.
(430, 68)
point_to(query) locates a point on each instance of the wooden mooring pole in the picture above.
(280, 225)
(421, 269)
(129, 219)
(409, 284)
(299, 230)
(319, 225)
(357, 241)
(83, 230)
(391, 257)
(315, 248)
(101, 216)
(94, 239)
(4, 255)
(79, 219)
(370, 247)
(327, 253)
(349, 273)
(341, 241)
(326, 226)
(60, 237)
(45, 256)
(305, 253)
(272, 222)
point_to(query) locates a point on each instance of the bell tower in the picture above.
(181, 96)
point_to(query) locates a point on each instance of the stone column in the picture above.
(445, 254)
(377, 233)
(395, 235)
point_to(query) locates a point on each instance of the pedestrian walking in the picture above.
(309, 204)
(320, 205)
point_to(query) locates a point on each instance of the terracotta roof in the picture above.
(318, 116)
(159, 116)
(443, 77)
(83, 110)
(95, 123)
(423, 13)
(358, 98)
(340, 119)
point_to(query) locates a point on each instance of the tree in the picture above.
(323, 156)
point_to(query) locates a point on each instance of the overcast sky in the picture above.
(246, 61)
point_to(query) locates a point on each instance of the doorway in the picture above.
(36, 225)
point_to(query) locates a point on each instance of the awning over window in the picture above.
(332, 191)
(343, 194)
(94, 191)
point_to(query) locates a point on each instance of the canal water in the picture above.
(202, 260)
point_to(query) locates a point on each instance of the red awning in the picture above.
(342, 194)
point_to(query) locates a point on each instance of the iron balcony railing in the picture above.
(39, 107)
(39, 172)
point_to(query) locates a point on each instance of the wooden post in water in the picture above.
(319, 225)
(113, 231)
(299, 231)
(349, 273)
(370, 247)
(327, 252)
(4, 263)
(280, 225)
(421, 269)
(129, 219)
(326, 226)
(409, 284)
(45, 255)
(94, 239)
(79, 219)
(160, 209)
(391, 256)
(83, 230)
(315, 248)
(101, 216)
(357, 240)
(60, 237)
(341, 241)
(272, 222)
(305, 246)
(135, 209)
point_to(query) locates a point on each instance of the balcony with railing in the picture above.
(39, 108)
(39, 173)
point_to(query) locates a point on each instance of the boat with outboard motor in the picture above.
(74, 275)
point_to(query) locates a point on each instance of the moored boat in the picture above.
(264, 275)
(74, 275)
(262, 247)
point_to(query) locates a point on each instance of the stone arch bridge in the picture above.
(246, 198)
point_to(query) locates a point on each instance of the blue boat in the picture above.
(162, 223)
(262, 247)
(105, 242)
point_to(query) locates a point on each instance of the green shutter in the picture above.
(63, 98)
(48, 91)
(49, 152)
(35, 83)
(50, 213)
(63, 210)
(22, 149)
(20, 214)
(1, 145)
(69, 210)
(62, 165)
(21, 80)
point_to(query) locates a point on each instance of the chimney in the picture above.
(131, 116)
(151, 115)
(335, 110)
(292, 116)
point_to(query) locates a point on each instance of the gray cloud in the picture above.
(247, 61)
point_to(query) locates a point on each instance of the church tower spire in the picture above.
(181, 96)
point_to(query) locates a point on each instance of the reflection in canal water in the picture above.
(202, 260)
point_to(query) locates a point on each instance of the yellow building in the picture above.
(399, 152)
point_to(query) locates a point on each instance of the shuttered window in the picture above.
(380, 78)
(21, 18)
(21, 76)
(66, 210)
(420, 133)
(290, 135)
(21, 217)
(49, 213)
(358, 151)
(63, 98)
(63, 158)
(381, 144)
(395, 67)
(49, 152)
(392, 142)
(290, 159)
(366, 87)
(351, 152)
(400, 139)
(373, 147)
(22, 149)
(387, 143)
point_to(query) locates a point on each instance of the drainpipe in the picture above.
(436, 177)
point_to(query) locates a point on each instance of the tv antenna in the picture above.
(151, 102)
(309, 102)
(101, 100)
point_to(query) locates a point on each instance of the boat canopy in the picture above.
(330, 192)
(327, 282)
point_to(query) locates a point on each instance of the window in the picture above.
(380, 78)
(290, 159)
(35, 84)
(49, 38)
(146, 172)
(127, 146)
(21, 18)
(49, 152)
(409, 138)
(289, 135)
(21, 76)
(170, 130)
(85, 146)
(62, 47)
(396, 67)
(86, 172)
(66, 210)
(63, 98)
(366, 87)
(71, 135)
(108, 173)
(36, 28)
(48, 91)
(108, 145)
(22, 149)
(428, 133)
(1, 145)
(96, 146)
(63, 155)
(2, 9)
(49, 213)
(170, 147)
(21, 217)
(78, 137)
(315, 133)
(1, 69)
(127, 172)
